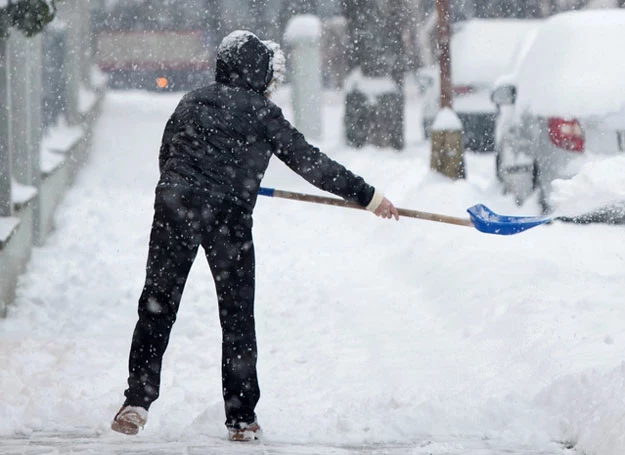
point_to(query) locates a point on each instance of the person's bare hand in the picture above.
(386, 209)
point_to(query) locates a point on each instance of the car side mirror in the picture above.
(504, 95)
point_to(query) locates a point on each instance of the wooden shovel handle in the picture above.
(352, 205)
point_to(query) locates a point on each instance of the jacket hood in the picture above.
(243, 60)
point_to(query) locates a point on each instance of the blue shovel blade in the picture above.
(485, 220)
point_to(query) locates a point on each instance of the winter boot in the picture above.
(130, 419)
(245, 432)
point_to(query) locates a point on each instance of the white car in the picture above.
(481, 51)
(565, 104)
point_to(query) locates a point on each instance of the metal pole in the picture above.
(6, 207)
(447, 155)
(444, 36)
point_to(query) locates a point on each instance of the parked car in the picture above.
(565, 105)
(481, 51)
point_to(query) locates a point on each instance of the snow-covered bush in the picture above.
(28, 16)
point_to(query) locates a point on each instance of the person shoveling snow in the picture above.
(214, 153)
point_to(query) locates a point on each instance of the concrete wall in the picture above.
(35, 171)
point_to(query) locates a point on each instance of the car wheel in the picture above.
(498, 167)
(543, 200)
(545, 208)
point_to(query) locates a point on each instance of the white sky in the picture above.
(425, 337)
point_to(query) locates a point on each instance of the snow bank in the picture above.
(591, 410)
(598, 184)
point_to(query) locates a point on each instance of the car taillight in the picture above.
(566, 134)
(462, 89)
(162, 82)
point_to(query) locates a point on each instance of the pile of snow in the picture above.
(303, 27)
(599, 184)
(447, 120)
(591, 410)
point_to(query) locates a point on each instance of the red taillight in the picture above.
(162, 82)
(566, 134)
(462, 89)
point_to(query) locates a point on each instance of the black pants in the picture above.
(184, 220)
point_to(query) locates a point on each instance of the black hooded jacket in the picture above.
(220, 137)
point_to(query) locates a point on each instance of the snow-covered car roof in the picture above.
(575, 66)
(483, 49)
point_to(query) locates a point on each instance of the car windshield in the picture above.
(575, 66)
(482, 49)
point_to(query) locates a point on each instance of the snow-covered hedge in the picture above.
(29, 16)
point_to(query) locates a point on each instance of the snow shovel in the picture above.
(481, 217)
(485, 220)
(271, 192)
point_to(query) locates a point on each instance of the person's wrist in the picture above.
(375, 201)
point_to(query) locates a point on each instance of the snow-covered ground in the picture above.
(423, 336)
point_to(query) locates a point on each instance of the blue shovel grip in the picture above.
(266, 191)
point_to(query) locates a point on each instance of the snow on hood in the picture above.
(575, 67)
(243, 60)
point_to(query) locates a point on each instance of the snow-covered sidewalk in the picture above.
(375, 336)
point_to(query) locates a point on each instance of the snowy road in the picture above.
(375, 336)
